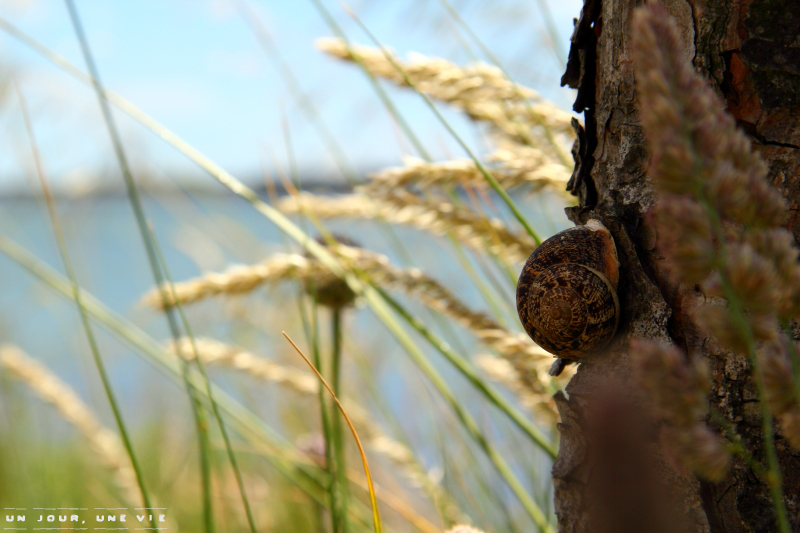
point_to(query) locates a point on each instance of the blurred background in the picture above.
(243, 83)
(201, 70)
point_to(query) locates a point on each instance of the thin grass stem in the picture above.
(373, 500)
(76, 296)
(378, 305)
(774, 476)
(338, 435)
(147, 237)
(334, 487)
(387, 102)
(200, 418)
(488, 391)
(281, 454)
(486, 174)
(494, 59)
(467, 421)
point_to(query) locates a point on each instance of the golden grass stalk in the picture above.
(379, 306)
(434, 216)
(214, 352)
(501, 192)
(531, 163)
(529, 389)
(520, 166)
(235, 280)
(104, 442)
(373, 500)
(481, 90)
(463, 529)
(530, 362)
(217, 353)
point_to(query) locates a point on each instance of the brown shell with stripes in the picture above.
(567, 292)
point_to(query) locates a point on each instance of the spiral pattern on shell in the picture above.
(567, 292)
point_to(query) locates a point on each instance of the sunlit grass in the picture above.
(292, 461)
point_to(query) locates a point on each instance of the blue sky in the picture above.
(197, 67)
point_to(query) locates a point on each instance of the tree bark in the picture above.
(749, 51)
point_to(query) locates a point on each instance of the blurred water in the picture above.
(204, 232)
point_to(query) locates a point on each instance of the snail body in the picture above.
(567, 292)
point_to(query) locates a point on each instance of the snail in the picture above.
(567, 293)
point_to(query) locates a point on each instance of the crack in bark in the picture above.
(768, 142)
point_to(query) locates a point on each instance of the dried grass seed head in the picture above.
(678, 388)
(481, 90)
(463, 529)
(693, 141)
(776, 367)
(716, 321)
(239, 279)
(684, 237)
(778, 246)
(520, 166)
(438, 217)
(679, 391)
(697, 449)
(326, 288)
(753, 278)
(107, 446)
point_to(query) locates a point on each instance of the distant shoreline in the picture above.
(212, 189)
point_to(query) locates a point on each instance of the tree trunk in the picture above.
(749, 51)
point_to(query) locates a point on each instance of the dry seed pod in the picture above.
(328, 289)
(567, 292)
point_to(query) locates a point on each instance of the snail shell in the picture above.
(567, 292)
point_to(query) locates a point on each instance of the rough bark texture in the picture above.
(749, 50)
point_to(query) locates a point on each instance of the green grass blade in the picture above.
(76, 296)
(489, 392)
(317, 250)
(486, 174)
(468, 422)
(334, 487)
(281, 454)
(387, 102)
(564, 158)
(147, 237)
(338, 435)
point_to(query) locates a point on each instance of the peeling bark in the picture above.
(749, 50)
